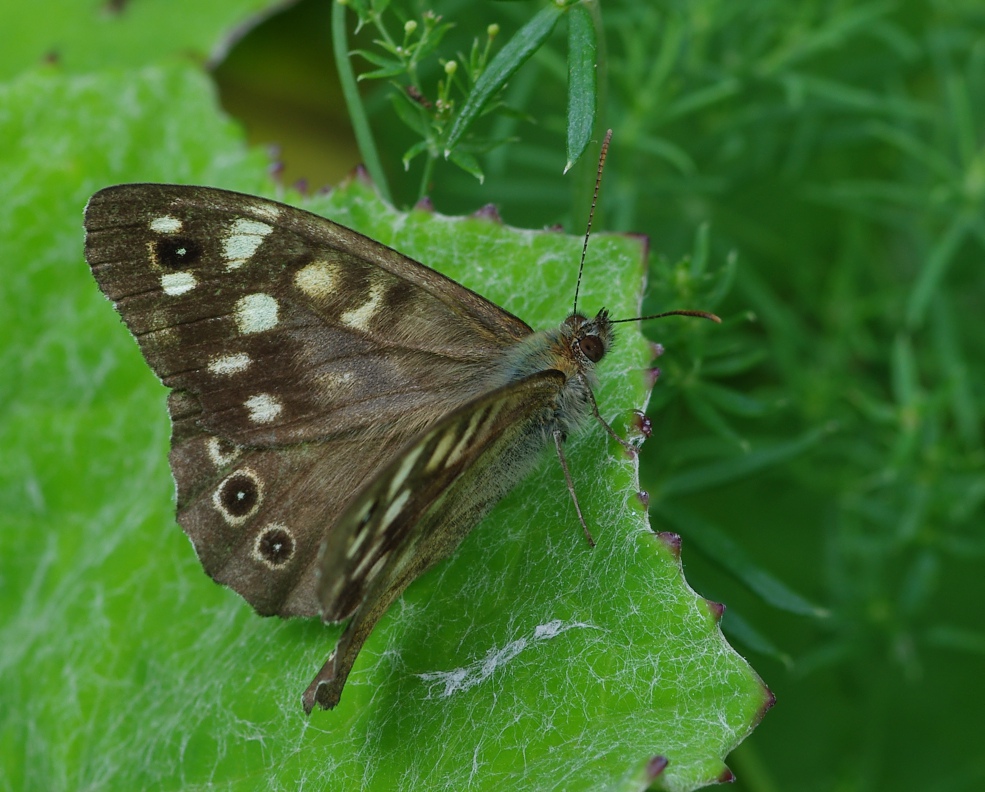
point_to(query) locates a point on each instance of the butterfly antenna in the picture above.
(683, 312)
(591, 214)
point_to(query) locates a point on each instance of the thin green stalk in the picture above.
(422, 191)
(353, 101)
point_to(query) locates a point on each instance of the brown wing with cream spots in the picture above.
(286, 327)
(300, 355)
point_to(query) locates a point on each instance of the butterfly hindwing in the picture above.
(257, 516)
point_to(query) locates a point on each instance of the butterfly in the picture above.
(342, 415)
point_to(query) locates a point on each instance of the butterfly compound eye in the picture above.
(592, 347)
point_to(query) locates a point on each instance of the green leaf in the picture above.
(418, 148)
(467, 163)
(722, 548)
(84, 36)
(525, 42)
(410, 113)
(743, 465)
(379, 74)
(525, 659)
(378, 60)
(582, 81)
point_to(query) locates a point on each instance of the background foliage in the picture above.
(838, 150)
(826, 468)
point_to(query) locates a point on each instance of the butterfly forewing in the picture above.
(286, 326)
(420, 506)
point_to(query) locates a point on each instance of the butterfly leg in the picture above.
(322, 690)
(559, 443)
(325, 689)
(630, 448)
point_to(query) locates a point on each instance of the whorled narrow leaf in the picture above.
(514, 54)
(582, 81)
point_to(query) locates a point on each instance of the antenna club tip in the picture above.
(699, 315)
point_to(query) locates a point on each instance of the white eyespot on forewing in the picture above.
(274, 546)
(359, 318)
(319, 280)
(221, 452)
(225, 365)
(242, 241)
(263, 408)
(165, 225)
(238, 496)
(175, 283)
(256, 313)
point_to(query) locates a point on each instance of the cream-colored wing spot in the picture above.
(175, 283)
(256, 313)
(242, 241)
(263, 408)
(319, 280)
(483, 417)
(166, 225)
(226, 365)
(367, 559)
(406, 466)
(393, 510)
(441, 450)
(360, 317)
(267, 211)
(360, 535)
(221, 452)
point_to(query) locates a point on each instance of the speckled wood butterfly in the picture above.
(342, 416)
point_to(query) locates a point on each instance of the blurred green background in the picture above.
(836, 150)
